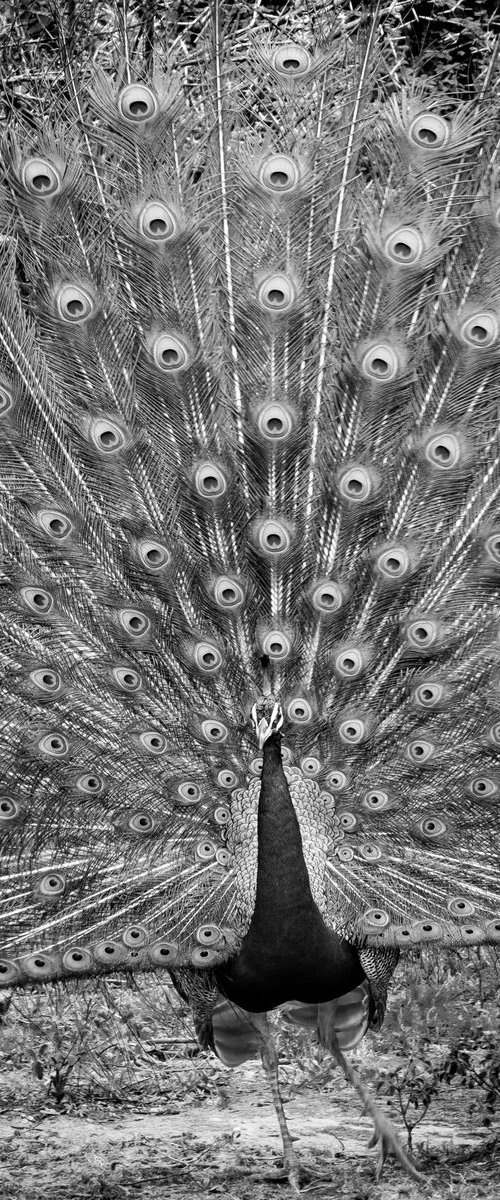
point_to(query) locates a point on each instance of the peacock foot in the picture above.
(296, 1173)
(291, 1171)
(385, 1138)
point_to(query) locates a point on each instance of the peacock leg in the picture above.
(269, 1056)
(385, 1136)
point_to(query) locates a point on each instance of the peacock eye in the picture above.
(170, 353)
(56, 524)
(75, 304)
(137, 103)
(277, 294)
(153, 555)
(292, 61)
(91, 785)
(127, 679)
(404, 246)
(41, 178)
(107, 436)
(188, 793)
(6, 400)
(38, 600)
(380, 363)
(429, 131)
(158, 223)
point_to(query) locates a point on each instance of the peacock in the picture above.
(250, 520)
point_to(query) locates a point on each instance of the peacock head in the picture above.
(267, 717)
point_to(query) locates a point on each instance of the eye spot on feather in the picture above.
(153, 555)
(358, 484)
(10, 809)
(54, 745)
(51, 886)
(352, 731)
(279, 174)
(426, 931)
(328, 596)
(428, 695)
(310, 766)
(228, 593)
(91, 785)
(350, 662)
(207, 657)
(227, 779)
(74, 304)
(443, 451)
(170, 353)
(431, 827)
(78, 958)
(47, 681)
(369, 852)
(205, 850)
(492, 547)
(152, 741)
(38, 966)
(299, 711)
(422, 633)
(137, 103)
(208, 935)
(277, 293)
(429, 131)
(273, 537)
(222, 815)
(158, 223)
(393, 563)
(41, 178)
(164, 954)
(484, 787)
(380, 363)
(291, 61)
(107, 436)
(127, 680)
(38, 600)
(141, 822)
(135, 935)
(56, 524)
(336, 780)
(275, 422)
(134, 622)
(480, 330)
(376, 800)
(376, 918)
(6, 400)
(460, 907)
(109, 951)
(420, 751)
(210, 481)
(215, 732)
(404, 246)
(188, 792)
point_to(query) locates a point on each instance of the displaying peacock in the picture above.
(250, 515)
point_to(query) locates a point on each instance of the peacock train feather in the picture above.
(250, 464)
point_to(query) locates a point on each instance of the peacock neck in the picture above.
(282, 878)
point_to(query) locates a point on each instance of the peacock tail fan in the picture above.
(249, 380)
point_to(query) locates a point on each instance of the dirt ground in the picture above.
(225, 1144)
